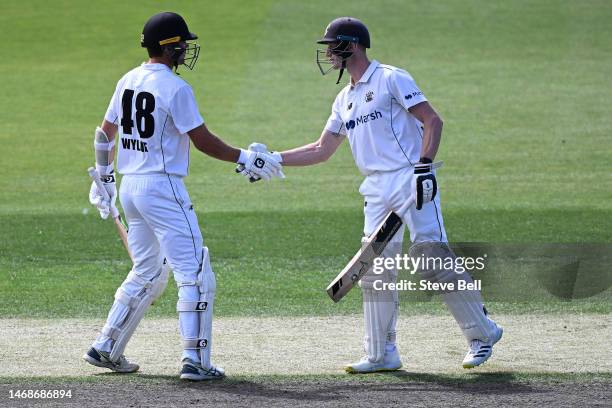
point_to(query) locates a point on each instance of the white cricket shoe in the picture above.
(195, 372)
(102, 359)
(480, 351)
(390, 362)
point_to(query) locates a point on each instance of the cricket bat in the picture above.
(121, 228)
(363, 259)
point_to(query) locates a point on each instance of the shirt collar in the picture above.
(368, 73)
(155, 66)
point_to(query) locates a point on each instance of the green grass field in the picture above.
(524, 89)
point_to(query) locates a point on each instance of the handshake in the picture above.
(258, 163)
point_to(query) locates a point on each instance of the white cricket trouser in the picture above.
(162, 223)
(392, 191)
(384, 192)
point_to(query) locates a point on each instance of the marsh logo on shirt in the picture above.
(417, 93)
(352, 124)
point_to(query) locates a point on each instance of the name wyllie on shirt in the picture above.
(134, 144)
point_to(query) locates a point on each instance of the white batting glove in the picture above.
(262, 148)
(104, 201)
(259, 164)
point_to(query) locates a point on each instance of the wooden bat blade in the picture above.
(123, 234)
(363, 259)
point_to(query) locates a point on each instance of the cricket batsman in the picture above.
(394, 134)
(151, 120)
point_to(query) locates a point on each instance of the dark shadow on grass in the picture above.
(339, 388)
(493, 383)
(400, 388)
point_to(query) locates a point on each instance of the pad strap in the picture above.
(188, 283)
(129, 301)
(141, 281)
(195, 344)
(186, 306)
(111, 332)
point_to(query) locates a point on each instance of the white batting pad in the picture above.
(466, 306)
(380, 307)
(195, 308)
(132, 300)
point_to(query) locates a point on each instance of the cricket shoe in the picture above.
(390, 362)
(102, 359)
(195, 372)
(480, 351)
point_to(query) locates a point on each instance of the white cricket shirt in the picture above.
(154, 109)
(373, 114)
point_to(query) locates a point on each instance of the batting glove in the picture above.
(104, 201)
(425, 180)
(258, 165)
(261, 148)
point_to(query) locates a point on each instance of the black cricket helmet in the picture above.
(343, 31)
(170, 29)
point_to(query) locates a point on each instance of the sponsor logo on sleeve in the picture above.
(414, 94)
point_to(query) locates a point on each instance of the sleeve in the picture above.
(184, 110)
(112, 112)
(335, 124)
(404, 89)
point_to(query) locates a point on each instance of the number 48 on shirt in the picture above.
(145, 105)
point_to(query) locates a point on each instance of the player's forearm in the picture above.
(209, 144)
(313, 153)
(431, 137)
(220, 150)
(306, 155)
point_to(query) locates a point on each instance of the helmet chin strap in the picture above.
(341, 71)
(345, 54)
(174, 57)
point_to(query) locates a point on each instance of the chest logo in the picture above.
(352, 124)
(369, 96)
(350, 105)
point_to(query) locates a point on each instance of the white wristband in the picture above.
(105, 170)
(277, 156)
(242, 159)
